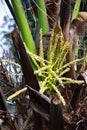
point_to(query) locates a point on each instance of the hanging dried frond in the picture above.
(65, 9)
(53, 9)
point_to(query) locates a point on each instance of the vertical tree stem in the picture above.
(23, 25)
(42, 15)
(76, 9)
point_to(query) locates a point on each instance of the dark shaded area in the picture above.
(56, 117)
(2, 102)
(47, 114)
(24, 61)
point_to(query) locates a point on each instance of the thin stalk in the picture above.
(76, 9)
(23, 25)
(17, 93)
(42, 15)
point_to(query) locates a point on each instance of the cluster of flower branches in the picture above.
(50, 72)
